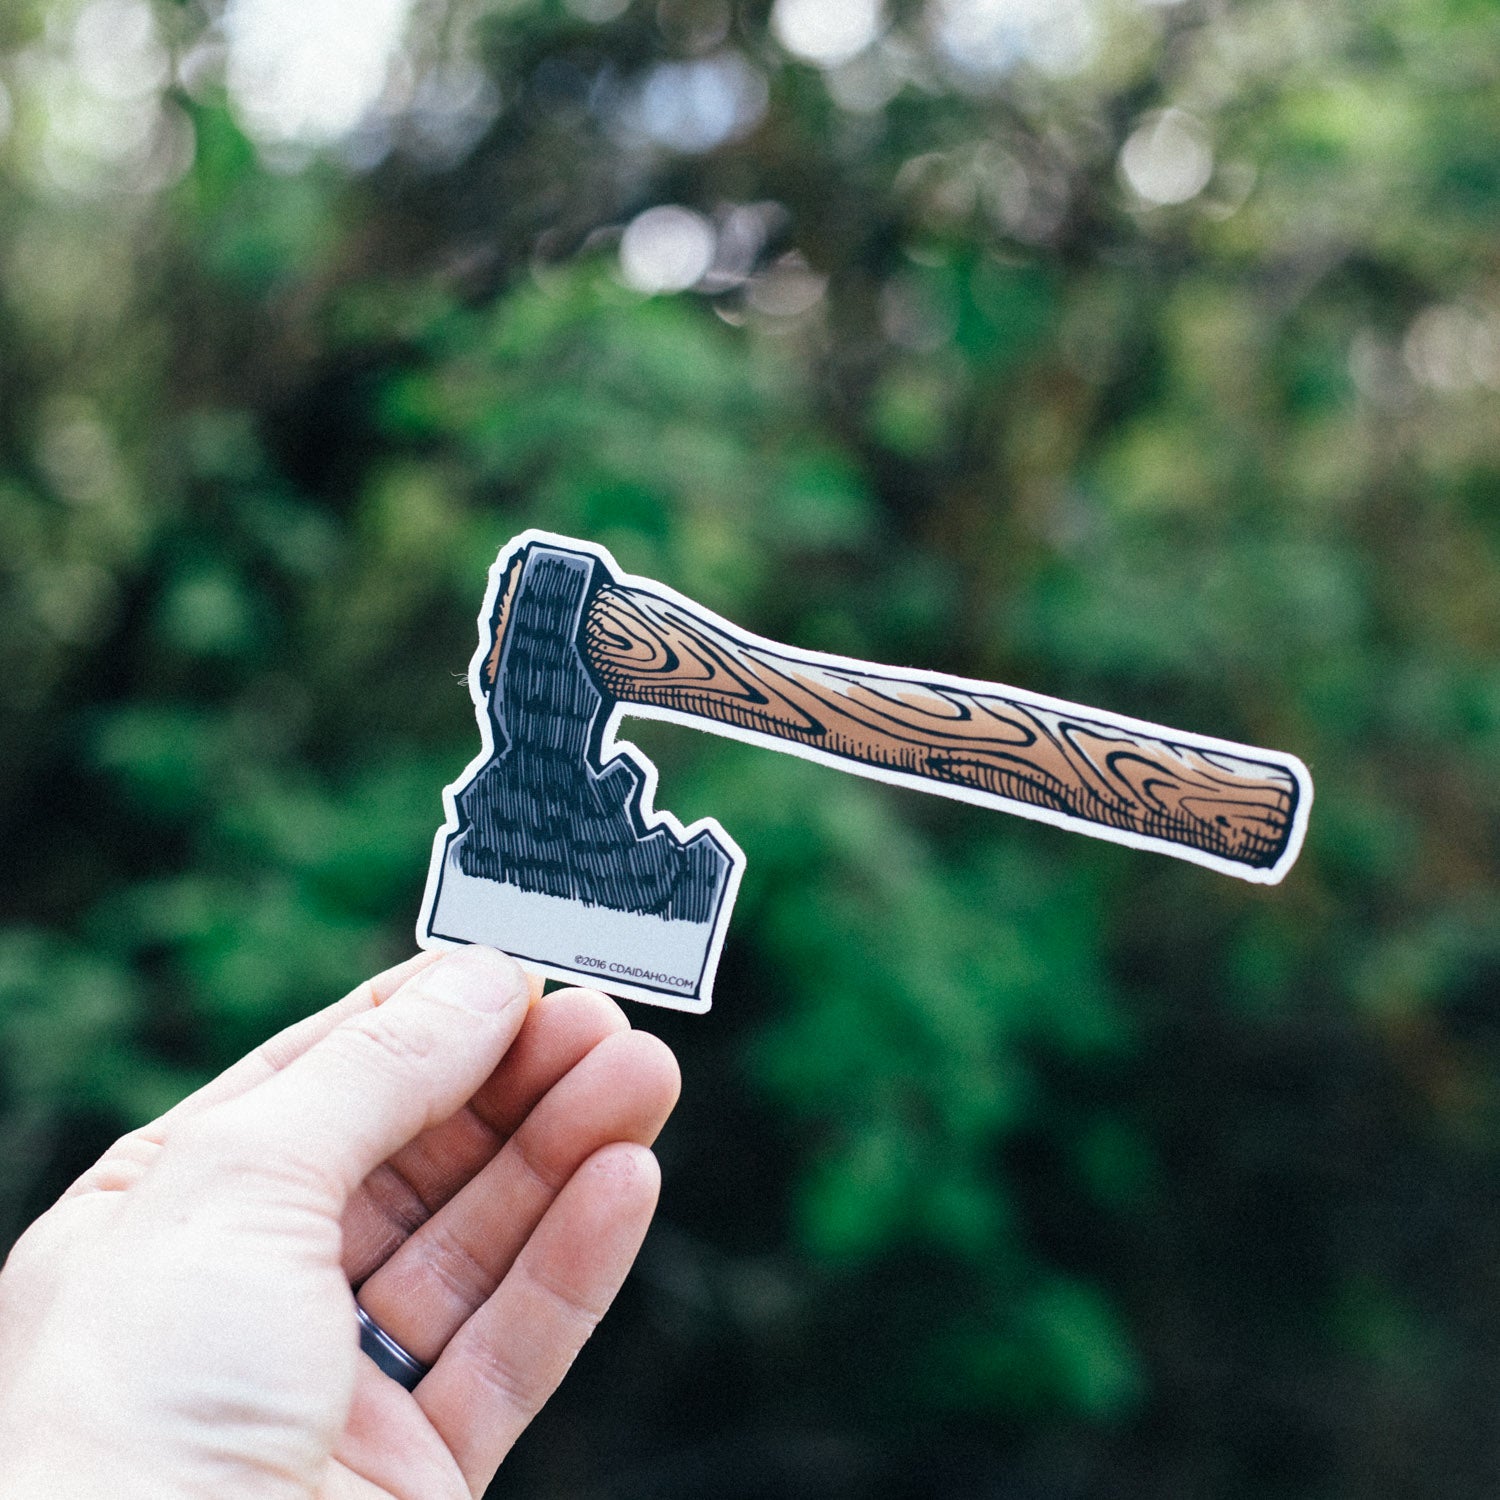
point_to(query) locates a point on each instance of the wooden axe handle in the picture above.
(977, 739)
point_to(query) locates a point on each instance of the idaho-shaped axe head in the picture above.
(553, 850)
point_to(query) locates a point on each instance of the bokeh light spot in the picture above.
(77, 454)
(979, 37)
(786, 289)
(1167, 158)
(308, 71)
(865, 84)
(695, 106)
(116, 50)
(827, 32)
(1451, 347)
(666, 249)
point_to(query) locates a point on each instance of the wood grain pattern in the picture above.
(997, 742)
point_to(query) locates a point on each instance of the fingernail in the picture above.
(477, 979)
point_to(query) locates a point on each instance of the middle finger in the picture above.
(403, 1193)
(622, 1091)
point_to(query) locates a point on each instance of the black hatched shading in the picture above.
(541, 815)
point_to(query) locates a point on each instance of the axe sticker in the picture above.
(553, 850)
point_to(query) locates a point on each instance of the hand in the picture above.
(472, 1158)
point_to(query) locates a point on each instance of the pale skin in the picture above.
(470, 1156)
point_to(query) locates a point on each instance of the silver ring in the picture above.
(405, 1369)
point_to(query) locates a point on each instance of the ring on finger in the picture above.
(404, 1368)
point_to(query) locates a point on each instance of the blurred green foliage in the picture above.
(1145, 355)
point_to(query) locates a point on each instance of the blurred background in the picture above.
(1144, 354)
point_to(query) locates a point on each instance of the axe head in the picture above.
(552, 849)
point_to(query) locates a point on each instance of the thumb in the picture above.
(375, 1082)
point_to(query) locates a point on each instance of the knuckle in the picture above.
(123, 1165)
(138, 1144)
(395, 1199)
(577, 1312)
(547, 1175)
(521, 1389)
(382, 1041)
(455, 1265)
